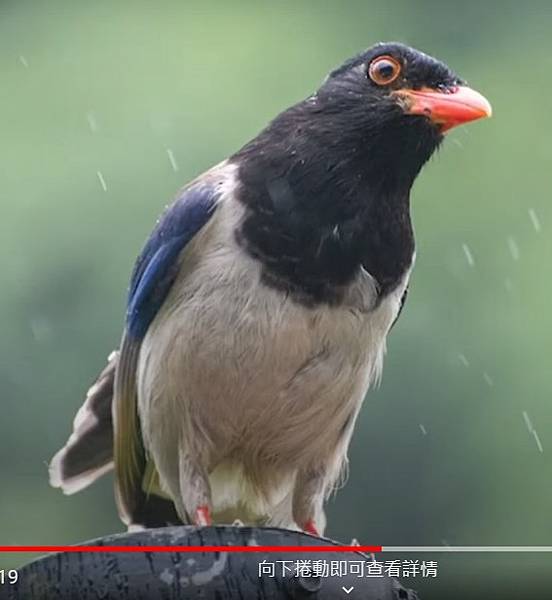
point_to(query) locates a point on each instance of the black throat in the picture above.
(327, 194)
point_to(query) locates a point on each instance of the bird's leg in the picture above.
(202, 517)
(195, 491)
(310, 527)
(308, 498)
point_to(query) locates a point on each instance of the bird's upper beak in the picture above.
(447, 109)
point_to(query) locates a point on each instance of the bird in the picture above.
(259, 307)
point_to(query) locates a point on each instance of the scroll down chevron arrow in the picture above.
(348, 590)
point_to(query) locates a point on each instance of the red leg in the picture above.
(310, 527)
(202, 517)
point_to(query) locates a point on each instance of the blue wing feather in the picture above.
(157, 266)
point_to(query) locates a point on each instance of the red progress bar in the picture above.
(123, 549)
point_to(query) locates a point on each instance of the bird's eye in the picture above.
(384, 70)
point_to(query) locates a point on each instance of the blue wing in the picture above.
(157, 265)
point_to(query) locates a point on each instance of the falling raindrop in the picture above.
(92, 122)
(23, 61)
(462, 358)
(102, 180)
(468, 254)
(41, 329)
(532, 430)
(535, 220)
(457, 142)
(514, 248)
(537, 440)
(423, 429)
(488, 379)
(172, 160)
(527, 421)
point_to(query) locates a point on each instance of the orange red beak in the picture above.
(447, 109)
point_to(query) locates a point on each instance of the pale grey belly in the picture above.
(256, 377)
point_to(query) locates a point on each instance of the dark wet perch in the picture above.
(183, 576)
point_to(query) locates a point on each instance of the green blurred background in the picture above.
(107, 108)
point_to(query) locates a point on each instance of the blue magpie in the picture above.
(259, 307)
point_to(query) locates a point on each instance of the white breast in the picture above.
(244, 376)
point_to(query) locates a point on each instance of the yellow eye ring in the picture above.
(384, 70)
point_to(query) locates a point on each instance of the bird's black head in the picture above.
(327, 183)
(378, 117)
(396, 103)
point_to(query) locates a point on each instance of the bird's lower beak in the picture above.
(447, 109)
